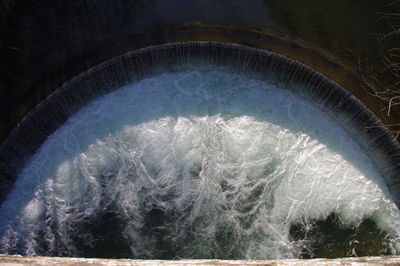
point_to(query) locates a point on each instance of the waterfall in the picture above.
(200, 150)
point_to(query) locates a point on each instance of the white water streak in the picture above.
(214, 164)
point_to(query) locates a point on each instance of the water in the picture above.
(349, 29)
(200, 163)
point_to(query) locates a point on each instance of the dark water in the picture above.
(349, 29)
(51, 42)
(326, 239)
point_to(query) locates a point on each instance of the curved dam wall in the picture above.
(50, 114)
(32, 198)
(52, 43)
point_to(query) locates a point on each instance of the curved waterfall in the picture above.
(200, 150)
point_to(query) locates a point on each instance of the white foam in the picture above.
(228, 162)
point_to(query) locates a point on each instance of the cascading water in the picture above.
(200, 160)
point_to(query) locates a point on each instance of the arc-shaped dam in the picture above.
(200, 150)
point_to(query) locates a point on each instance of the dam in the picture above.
(200, 150)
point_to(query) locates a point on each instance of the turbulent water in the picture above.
(201, 163)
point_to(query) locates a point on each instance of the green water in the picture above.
(329, 238)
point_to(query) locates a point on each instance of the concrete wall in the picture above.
(45, 43)
(367, 261)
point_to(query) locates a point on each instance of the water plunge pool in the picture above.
(201, 162)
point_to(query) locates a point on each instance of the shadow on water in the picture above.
(107, 229)
(326, 238)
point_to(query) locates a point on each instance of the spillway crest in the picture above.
(199, 161)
